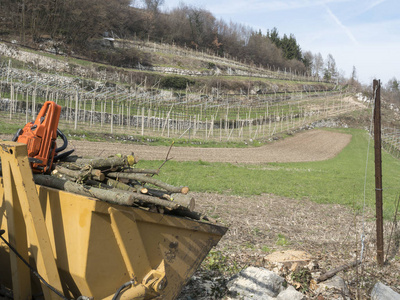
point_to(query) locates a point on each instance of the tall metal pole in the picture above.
(378, 171)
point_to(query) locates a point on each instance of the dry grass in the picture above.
(331, 233)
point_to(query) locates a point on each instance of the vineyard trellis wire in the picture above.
(140, 110)
(234, 66)
(211, 57)
(391, 140)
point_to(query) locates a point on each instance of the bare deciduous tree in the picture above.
(318, 65)
(330, 71)
(308, 60)
(153, 5)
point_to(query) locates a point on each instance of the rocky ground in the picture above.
(261, 225)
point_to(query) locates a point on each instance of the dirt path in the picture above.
(313, 145)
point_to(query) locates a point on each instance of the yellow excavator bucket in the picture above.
(96, 246)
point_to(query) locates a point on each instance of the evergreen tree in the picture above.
(274, 37)
(291, 50)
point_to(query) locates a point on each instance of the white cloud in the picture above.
(343, 27)
(372, 5)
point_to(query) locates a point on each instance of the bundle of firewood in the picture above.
(116, 180)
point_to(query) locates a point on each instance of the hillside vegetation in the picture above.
(172, 68)
(85, 27)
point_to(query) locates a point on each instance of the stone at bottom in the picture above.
(260, 284)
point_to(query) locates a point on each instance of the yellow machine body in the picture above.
(95, 246)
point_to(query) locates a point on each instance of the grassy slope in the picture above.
(338, 180)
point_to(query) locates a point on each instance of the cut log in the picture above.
(59, 175)
(141, 188)
(154, 181)
(98, 175)
(159, 194)
(119, 185)
(98, 163)
(102, 163)
(69, 165)
(186, 201)
(112, 196)
(153, 200)
(121, 198)
(98, 184)
(81, 174)
(71, 173)
(125, 187)
(128, 159)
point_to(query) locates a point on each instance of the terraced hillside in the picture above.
(206, 97)
(199, 70)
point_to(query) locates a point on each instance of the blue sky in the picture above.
(360, 33)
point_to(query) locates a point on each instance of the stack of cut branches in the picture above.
(116, 180)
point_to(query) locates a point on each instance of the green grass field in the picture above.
(338, 180)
